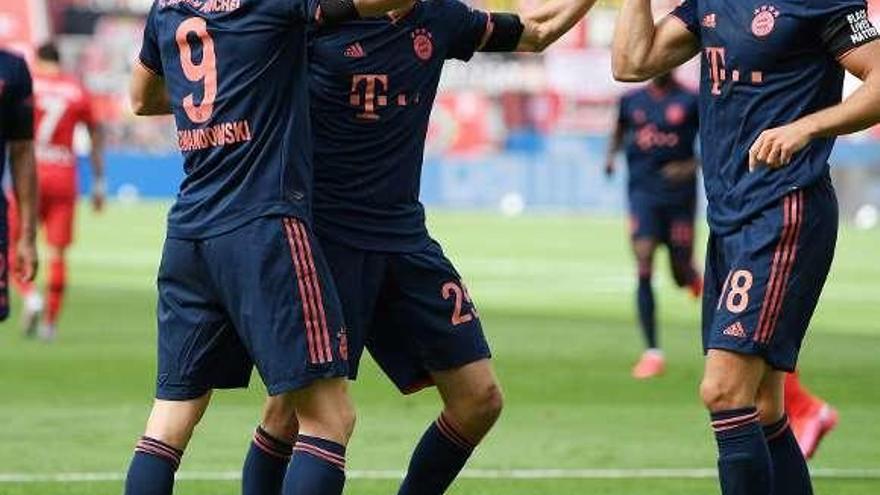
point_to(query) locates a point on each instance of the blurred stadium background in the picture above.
(513, 177)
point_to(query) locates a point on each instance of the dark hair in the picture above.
(48, 52)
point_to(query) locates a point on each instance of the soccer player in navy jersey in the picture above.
(373, 84)
(657, 126)
(17, 138)
(242, 281)
(770, 108)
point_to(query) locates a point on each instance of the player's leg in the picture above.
(279, 294)
(790, 473)
(427, 330)
(681, 250)
(198, 351)
(158, 452)
(811, 417)
(271, 448)
(472, 403)
(59, 234)
(326, 421)
(647, 229)
(729, 391)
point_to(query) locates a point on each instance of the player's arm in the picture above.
(23, 168)
(148, 93)
(24, 185)
(615, 144)
(546, 24)
(643, 49)
(861, 110)
(96, 159)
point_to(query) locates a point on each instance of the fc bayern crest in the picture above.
(423, 43)
(764, 21)
(675, 114)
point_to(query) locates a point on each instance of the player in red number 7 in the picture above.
(242, 281)
(770, 107)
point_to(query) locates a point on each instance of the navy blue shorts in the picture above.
(670, 224)
(259, 295)
(763, 282)
(410, 310)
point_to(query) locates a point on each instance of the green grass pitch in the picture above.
(555, 296)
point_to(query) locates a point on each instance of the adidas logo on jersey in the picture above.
(736, 330)
(355, 51)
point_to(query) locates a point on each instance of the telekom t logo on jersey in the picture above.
(369, 93)
(718, 72)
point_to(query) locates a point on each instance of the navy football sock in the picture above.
(744, 465)
(790, 473)
(152, 469)
(265, 465)
(646, 311)
(317, 468)
(439, 457)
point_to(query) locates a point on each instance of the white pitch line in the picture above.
(482, 474)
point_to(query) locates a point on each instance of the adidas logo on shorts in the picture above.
(736, 330)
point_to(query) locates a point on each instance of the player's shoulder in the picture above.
(633, 94)
(11, 60)
(435, 8)
(822, 8)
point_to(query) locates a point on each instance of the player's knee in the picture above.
(279, 417)
(481, 407)
(724, 393)
(173, 422)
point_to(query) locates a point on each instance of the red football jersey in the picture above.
(61, 103)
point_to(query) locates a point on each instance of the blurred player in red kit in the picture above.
(61, 104)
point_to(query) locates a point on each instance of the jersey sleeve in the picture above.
(150, 56)
(20, 95)
(843, 25)
(686, 12)
(469, 28)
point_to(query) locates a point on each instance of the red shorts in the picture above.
(55, 213)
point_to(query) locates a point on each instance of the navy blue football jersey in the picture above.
(16, 109)
(660, 126)
(766, 63)
(235, 71)
(373, 84)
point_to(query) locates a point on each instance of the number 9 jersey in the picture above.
(235, 72)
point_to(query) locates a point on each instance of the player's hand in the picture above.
(776, 147)
(678, 170)
(609, 168)
(26, 259)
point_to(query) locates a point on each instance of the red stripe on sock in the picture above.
(776, 434)
(732, 423)
(267, 447)
(450, 432)
(152, 450)
(320, 453)
(161, 446)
